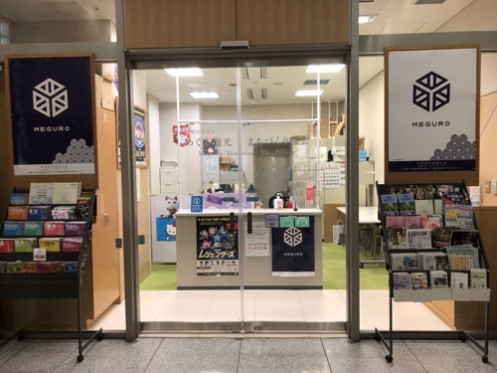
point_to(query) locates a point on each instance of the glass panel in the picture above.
(195, 255)
(236, 161)
(284, 151)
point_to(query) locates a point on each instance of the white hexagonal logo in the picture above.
(50, 98)
(292, 236)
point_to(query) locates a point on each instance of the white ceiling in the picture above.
(391, 17)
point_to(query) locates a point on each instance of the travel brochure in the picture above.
(431, 237)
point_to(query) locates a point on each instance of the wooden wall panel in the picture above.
(266, 22)
(4, 162)
(179, 23)
(470, 315)
(488, 150)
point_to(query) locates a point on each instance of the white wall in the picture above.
(189, 156)
(63, 31)
(371, 121)
(488, 73)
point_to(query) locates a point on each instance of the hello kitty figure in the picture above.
(172, 205)
(171, 232)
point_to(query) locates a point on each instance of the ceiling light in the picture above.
(366, 19)
(308, 92)
(325, 68)
(185, 71)
(200, 95)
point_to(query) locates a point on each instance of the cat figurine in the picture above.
(172, 205)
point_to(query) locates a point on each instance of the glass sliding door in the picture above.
(251, 163)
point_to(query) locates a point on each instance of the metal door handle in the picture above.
(249, 223)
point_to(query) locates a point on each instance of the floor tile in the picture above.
(323, 306)
(113, 356)
(10, 349)
(218, 355)
(368, 356)
(40, 356)
(187, 305)
(226, 306)
(274, 305)
(152, 302)
(283, 355)
(448, 356)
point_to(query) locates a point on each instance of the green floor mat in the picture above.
(372, 276)
(162, 277)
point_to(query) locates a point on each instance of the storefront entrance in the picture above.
(234, 143)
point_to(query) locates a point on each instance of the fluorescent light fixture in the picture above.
(325, 68)
(366, 19)
(184, 71)
(200, 95)
(308, 92)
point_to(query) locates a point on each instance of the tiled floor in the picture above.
(243, 355)
(273, 305)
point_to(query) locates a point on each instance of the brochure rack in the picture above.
(431, 290)
(59, 276)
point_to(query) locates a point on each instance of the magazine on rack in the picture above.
(418, 238)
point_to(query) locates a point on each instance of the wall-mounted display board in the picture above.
(432, 114)
(51, 109)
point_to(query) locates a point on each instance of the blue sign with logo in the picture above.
(51, 107)
(197, 204)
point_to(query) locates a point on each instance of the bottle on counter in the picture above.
(278, 202)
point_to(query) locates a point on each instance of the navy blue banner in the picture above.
(293, 251)
(443, 165)
(52, 118)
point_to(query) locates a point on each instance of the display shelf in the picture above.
(422, 295)
(410, 253)
(58, 276)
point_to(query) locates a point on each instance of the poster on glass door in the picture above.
(51, 107)
(217, 246)
(432, 103)
(293, 248)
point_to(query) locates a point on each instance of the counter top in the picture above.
(218, 212)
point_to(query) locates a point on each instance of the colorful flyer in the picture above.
(217, 246)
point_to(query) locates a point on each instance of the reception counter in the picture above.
(267, 259)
